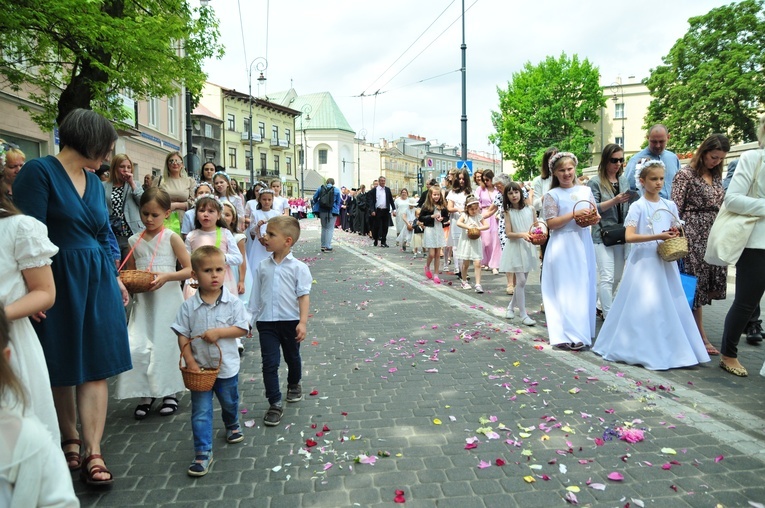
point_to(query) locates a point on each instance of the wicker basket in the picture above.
(674, 248)
(137, 281)
(474, 233)
(199, 381)
(538, 233)
(590, 218)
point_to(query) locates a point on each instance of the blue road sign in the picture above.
(465, 165)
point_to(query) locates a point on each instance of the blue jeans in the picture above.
(273, 336)
(227, 391)
(327, 228)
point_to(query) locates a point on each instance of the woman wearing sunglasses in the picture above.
(612, 195)
(180, 187)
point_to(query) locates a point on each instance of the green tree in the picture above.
(548, 104)
(85, 53)
(712, 79)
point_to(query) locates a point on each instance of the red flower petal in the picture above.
(500, 462)
(319, 434)
(310, 442)
(344, 413)
(315, 392)
(313, 425)
(325, 429)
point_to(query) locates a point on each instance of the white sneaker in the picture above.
(509, 314)
(528, 321)
(478, 288)
(465, 284)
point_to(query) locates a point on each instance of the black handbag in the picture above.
(613, 235)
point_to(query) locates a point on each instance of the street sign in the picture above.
(465, 165)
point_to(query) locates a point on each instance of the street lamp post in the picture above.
(618, 92)
(261, 64)
(305, 110)
(362, 138)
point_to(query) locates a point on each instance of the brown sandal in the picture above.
(87, 474)
(74, 457)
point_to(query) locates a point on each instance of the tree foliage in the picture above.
(85, 53)
(544, 105)
(712, 79)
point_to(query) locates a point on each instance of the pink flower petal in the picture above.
(571, 498)
(718, 458)
(483, 464)
(598, 486)
(615, 476)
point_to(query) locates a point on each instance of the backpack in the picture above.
(327, 197)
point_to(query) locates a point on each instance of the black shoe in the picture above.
(385, 245)
(754, 333)
(375, 243)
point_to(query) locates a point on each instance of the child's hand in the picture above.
(666, 235)
(38, 317)
(262, 241)
(240, 288)
(301, 331)
(210, 336)
(526, 236)
(192, 365)
(159, 281)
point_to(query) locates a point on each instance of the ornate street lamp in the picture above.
(362, 138)
(304, 111)
(261, 64)
(618, 92)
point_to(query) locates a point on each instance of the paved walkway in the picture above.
(429, 390)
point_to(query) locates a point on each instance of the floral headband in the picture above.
(203, 184)
(224, 175)
(558, 156)
(473, 201)
(207, 196)
(266, 191)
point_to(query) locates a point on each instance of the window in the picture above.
(262, 130)
(288, 136)
(619, 141)
(619, 111)
(171, 112)
(288, 163)
(247, 161)
(231, 122)
(300, 157)
(275, 132)
(232, 157)
(208, 131)
(322, 156)
(247, 127)
(276, 164)
(154, 112)
(263, 162)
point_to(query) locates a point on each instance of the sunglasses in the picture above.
(614, 160)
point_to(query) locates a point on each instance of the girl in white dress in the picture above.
(456, 204)
(471, 249)
(256, 251)
(400, 204)
(27, 290)
(519, 256)
(433, 215)
(226, 193)
(153, 345)
(281, 204)
(651, 303)
(568, 285)
(33, 470)
(243, 280)
(406, 215)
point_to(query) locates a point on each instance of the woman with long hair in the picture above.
(123, 197)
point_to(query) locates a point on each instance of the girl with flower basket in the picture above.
(651, 303)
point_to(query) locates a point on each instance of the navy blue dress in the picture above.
(84, 337)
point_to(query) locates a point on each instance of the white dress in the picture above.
(238, 237)
(33, 470)
(280, 204)
(650, 304)
(256, 252)
(459, 203)
(467, 249)
(519, 256)
(404, 213)
(401, 206)
(433, 237)
(25, 246)
(569, 276)
(153, 345)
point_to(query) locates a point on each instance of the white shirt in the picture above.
(279, 204)
(381, 203)
(739, 200)
(276, 289)
(196, 317)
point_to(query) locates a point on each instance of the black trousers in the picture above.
(381, 220)
(750, 286)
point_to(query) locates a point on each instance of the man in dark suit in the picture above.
(380, 205)
(371, 220)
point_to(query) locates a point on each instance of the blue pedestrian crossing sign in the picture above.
(465, 165)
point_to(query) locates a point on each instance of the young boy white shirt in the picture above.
(276, 289)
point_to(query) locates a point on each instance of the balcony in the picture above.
(256, 137)
(264, 172)
(279, 144)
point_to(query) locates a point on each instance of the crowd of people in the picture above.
(221, 267)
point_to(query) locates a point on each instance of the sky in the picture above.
(409, 53)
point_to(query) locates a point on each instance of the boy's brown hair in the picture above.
(288, 226)
(204, 253)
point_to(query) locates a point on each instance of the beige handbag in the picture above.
(731, 231)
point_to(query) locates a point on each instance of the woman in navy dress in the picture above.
(84, 336)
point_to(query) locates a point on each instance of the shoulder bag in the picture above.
(615, 233)
(731, 231)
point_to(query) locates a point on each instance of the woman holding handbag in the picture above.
(122, 200)
(612, 195)
(746, 197)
